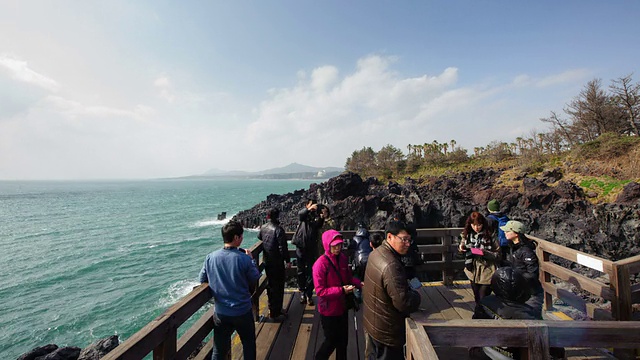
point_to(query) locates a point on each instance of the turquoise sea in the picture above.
(84, 260)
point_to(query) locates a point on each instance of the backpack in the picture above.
(501, 221)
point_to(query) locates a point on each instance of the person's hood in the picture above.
(327, 237)
(362, 231)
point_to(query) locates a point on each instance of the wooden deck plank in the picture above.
(304, 333)
(286, 339)
(268, 334)
(356, 336)
(456, 299)
(442, 305)
(428, 309)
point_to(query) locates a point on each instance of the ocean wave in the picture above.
(212, 222)
(176, 292)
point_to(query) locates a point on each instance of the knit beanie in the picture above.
(493, 205)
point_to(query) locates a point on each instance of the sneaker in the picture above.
(310, 302)
(303, 299)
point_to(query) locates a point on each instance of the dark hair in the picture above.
(324, 207)
(395, 227)
(230, 230)
(376, 239)
(476, 219)
(273, 214)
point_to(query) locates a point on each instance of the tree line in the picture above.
(595, 111)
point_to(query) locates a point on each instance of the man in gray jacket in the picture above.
(388, 298)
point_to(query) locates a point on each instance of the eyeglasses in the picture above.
(406, 239)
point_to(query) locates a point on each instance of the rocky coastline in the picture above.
(554, 209)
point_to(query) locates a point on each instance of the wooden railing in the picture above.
(536, 338)
(439, 242)
(160, 336)
(619, 291)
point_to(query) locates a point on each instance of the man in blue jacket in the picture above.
(231, 275)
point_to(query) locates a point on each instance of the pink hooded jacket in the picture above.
(331, 298)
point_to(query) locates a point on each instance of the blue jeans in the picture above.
(223, 327)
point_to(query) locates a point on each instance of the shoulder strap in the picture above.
(334, 268)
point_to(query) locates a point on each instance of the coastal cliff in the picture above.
(554, 209)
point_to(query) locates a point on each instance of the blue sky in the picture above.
(145, 89)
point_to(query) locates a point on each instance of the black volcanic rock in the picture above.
(630, 194)
(65, 353)
(99, 348)
(38, 352)
(559, 213)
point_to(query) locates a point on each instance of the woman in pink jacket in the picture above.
(333, 280)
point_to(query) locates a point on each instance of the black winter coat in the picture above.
(274, 241)
(523, 259)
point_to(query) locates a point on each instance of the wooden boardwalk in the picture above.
(441, 329)
(300, 333)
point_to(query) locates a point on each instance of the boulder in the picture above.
(99, 348)
(64, 353)
(630, 194)
(38, 352)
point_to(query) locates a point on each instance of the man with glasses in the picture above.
(388, 298)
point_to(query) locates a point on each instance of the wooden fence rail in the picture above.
(536, 337)
(160, 336)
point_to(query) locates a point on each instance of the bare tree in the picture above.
(594, 113)
(560, 126)
(627, 95)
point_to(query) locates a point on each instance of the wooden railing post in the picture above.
(167, 348)
(447, 257)
(418, 344)
(545, 277)
(621, 308)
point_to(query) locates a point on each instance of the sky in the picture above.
(148, 89)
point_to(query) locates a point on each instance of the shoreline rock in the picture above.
(95, 351)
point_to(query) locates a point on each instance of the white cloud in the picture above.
(163, 84)
(326, 116)
(19, 70)
(570, 76)
(319, 121)
(74, 109)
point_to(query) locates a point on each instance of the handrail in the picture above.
(160, 335)
(534, 335)
(547, 269)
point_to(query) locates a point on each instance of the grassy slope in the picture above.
(601, 167)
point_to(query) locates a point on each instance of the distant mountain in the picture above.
(294, 168)
(291, 171)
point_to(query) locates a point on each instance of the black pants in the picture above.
(336, 337)
(306, 258)
(479, 291)
(274, 269)
(384, 352)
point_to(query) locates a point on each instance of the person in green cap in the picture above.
(523, 259)
(495, 219)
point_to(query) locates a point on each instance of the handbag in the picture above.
(351, 300)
